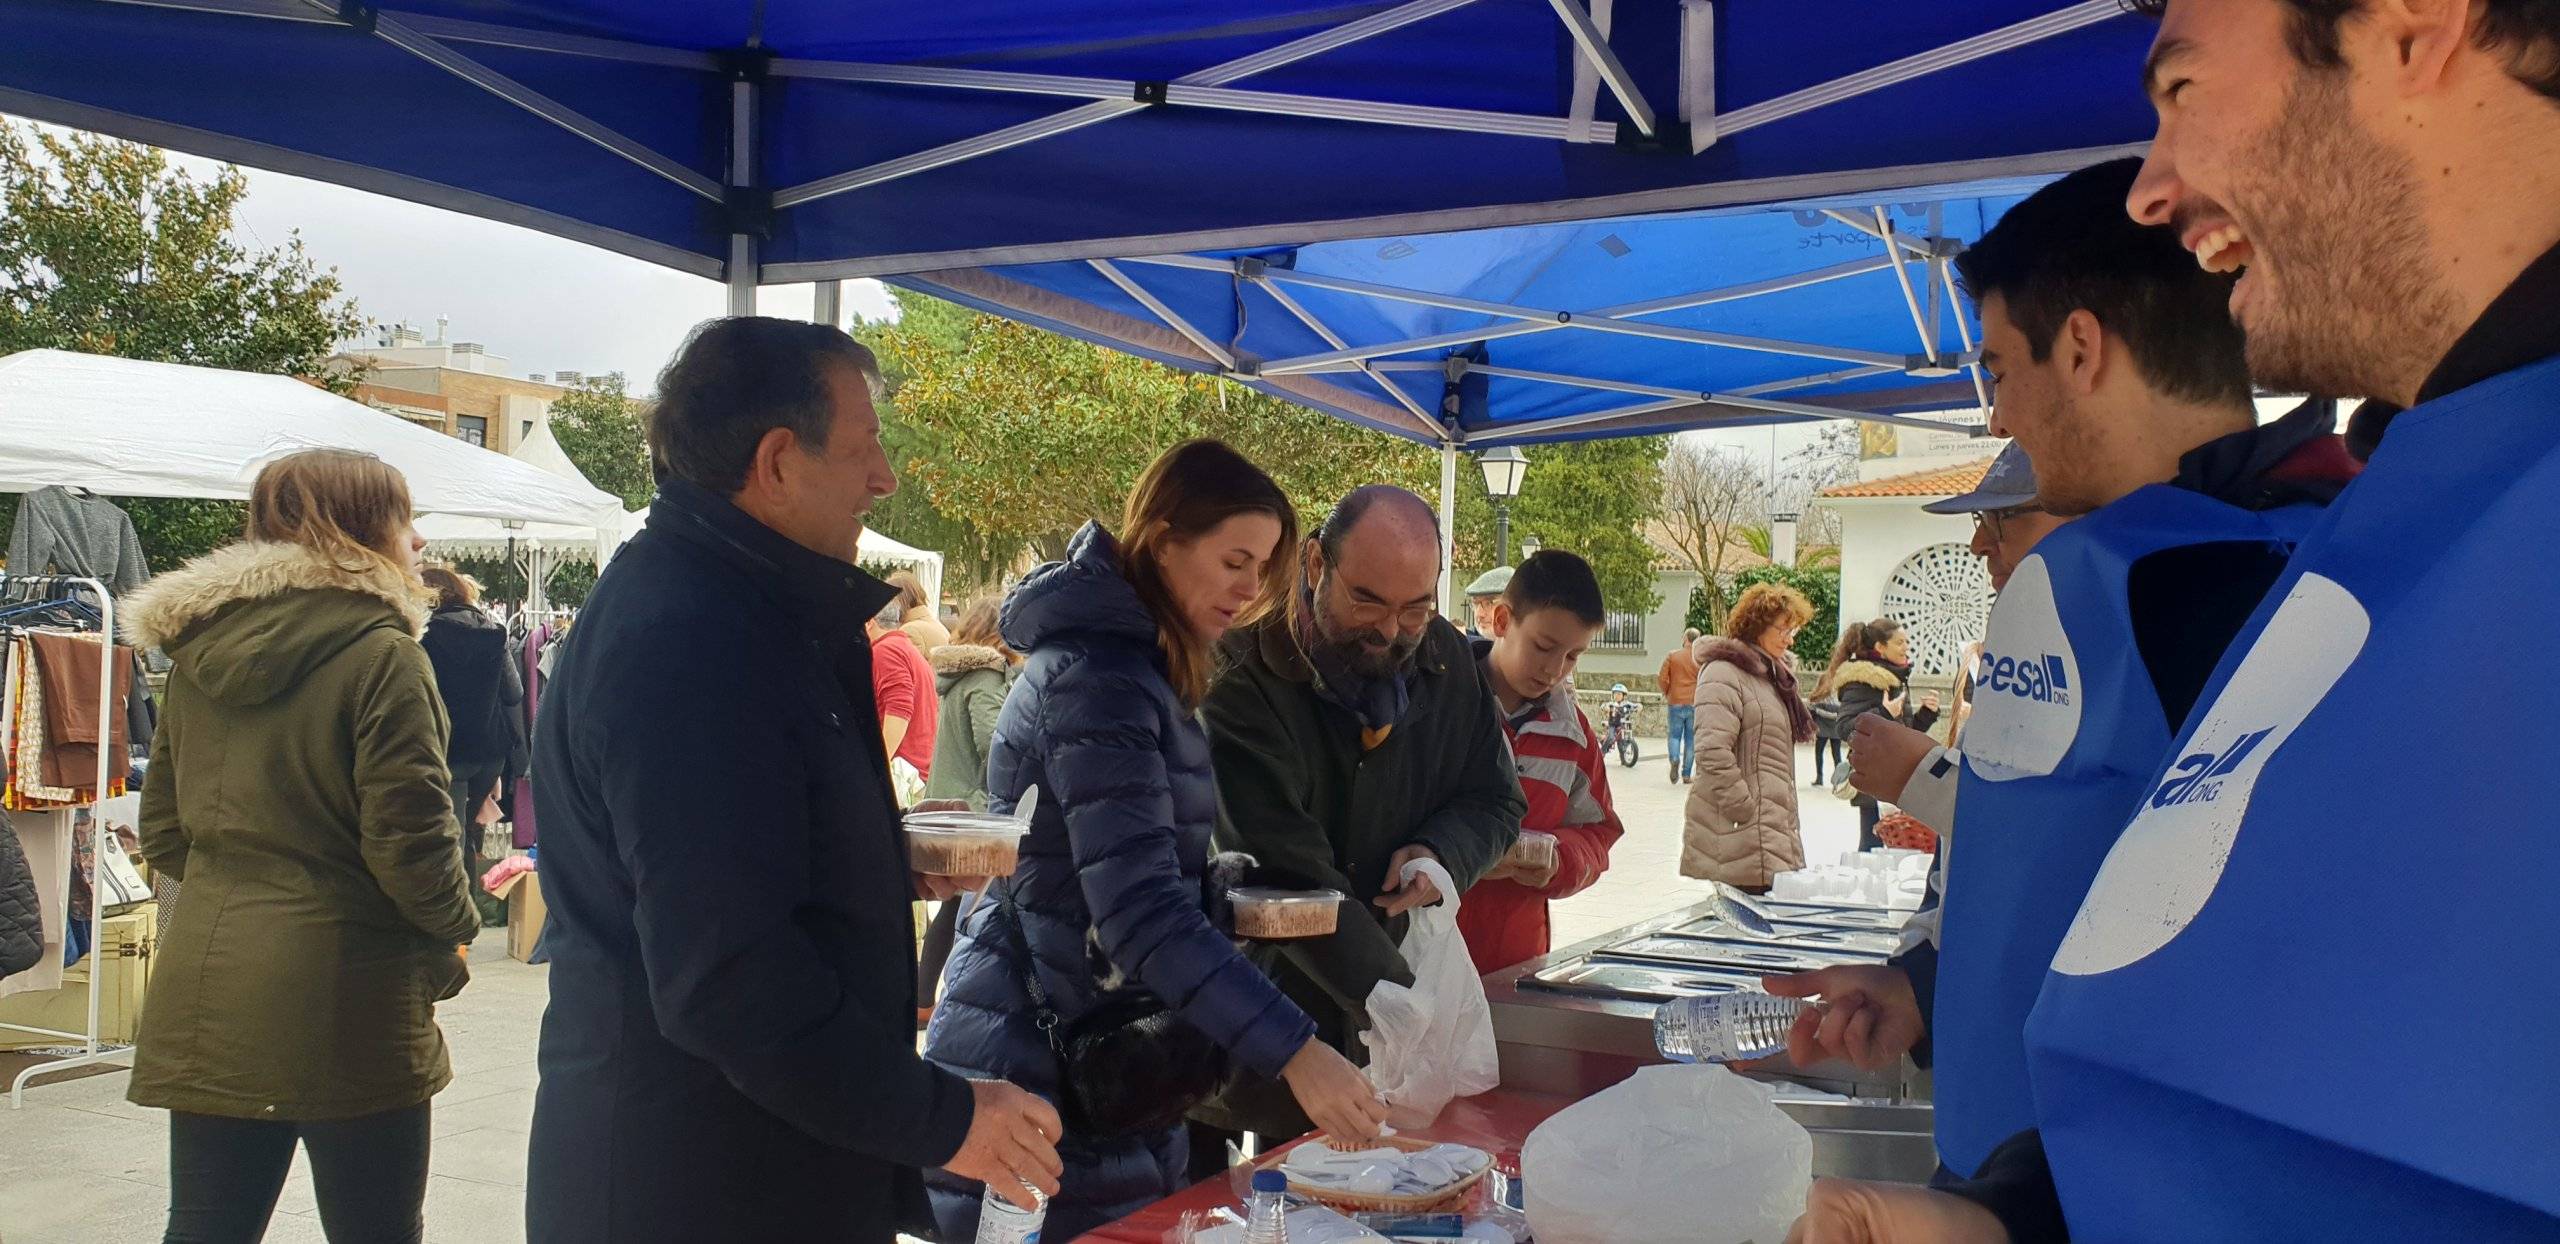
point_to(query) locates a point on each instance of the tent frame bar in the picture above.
(1594, 44)
(745, 112)
(1902, 277)
(1336, 360)
(1463, 120)
(1172, 319)
(1894, 73)
(1393, 390)
(398, 34)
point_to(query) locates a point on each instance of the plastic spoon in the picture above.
(1737, 909)
(1024, 807)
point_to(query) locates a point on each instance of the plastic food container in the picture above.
(1267, 915)
(1535, 850)
(962, 844)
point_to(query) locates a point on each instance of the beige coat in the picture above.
(1741, 822)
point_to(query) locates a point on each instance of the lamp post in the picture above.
(1503, 470)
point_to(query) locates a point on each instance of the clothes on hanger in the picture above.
(61, 531)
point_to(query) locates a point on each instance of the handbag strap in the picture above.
(1042, 1014)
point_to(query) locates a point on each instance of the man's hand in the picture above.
(1883, 754)
(1533, 860)
(1402, 896)
(1012, 1145)
(1869, 1017)
(1335, 1095)
(1848, 1211)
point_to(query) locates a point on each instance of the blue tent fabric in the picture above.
(320, 95)
(986, 150)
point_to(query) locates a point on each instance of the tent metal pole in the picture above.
(1448, 522)
(2061, 21)
(1868, 227)
(741, 276)
(1105, 110)
(1595, 49)
(1171, 318)
(828, 309)
(1945, 269)
(1902, 276)
(1306, 317)
(1330, 360)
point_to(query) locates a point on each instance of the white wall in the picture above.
(1876, 534)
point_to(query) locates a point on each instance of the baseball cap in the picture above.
(1491, 582)
(2010, 482)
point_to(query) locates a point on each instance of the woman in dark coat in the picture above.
(1878, 680)
(1117, 643)
(481, 689)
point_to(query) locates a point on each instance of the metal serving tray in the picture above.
(1846, 941)
(1746, 957)
(1636, 982)
(1880, 919)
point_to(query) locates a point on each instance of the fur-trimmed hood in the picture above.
(1869, 674)
(248, 622)
(953, 660)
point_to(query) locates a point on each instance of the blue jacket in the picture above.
(730, 1048)
(1109, 880)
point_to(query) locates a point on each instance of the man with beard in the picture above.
(2232, 1044)
(1351, 736)
(2120, 376)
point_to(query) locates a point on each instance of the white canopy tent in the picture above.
(134, 429)
(536, 549)
(876, 550)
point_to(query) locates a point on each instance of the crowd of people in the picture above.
(2148, 1002)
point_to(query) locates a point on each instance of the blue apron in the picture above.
(2314, 992)
(2066, 733)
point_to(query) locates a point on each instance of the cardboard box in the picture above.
(525, 914)
(124, 955)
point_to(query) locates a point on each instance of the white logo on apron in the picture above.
(2169, 859)
(2026, 687)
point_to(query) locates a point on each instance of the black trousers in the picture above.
(471, 787)
(1818, 744)
(1868, 815)
(370, 1175)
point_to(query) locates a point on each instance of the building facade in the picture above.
(455, 387)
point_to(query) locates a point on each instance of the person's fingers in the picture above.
(1804, 1040)
(1862, 1043)
(1798, 984)
(1036, 1165)
(1014, 1193)
(1045, 1117)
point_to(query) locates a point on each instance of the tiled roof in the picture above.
(1940, 482)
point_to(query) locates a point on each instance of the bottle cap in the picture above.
(1270, 1181)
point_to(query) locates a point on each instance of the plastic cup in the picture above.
(963, 844)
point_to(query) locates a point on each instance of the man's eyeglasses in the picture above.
(1991, 519)
(1376, 612)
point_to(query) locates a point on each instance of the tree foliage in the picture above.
(601, 428)
(1593, 498)
(1711, 499)
(106, 249)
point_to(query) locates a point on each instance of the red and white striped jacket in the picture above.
(1565, 779)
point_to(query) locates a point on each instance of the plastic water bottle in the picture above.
(1002, 1222)
(1266, 1220)
(1723, 1028)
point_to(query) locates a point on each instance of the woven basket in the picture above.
(1451, 1198)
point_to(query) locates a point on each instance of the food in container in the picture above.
(1535, 852)
(962, 844)
(1268, 915)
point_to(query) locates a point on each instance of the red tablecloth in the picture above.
(1497, 1122)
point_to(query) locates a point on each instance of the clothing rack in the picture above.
(92, 1050)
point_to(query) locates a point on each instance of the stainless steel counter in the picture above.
(1577, 1045)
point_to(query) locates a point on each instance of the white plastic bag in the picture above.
(1674, 1155)
(1431, 1043)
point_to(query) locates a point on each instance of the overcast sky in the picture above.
(547, 304)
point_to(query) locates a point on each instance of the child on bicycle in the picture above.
(1622, 716)
(1548, 616)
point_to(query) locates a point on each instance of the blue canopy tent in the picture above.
(1463, 221)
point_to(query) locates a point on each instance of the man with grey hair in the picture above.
(730, 1050)
(1352, 736)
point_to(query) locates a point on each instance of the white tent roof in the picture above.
(875, 548)
(451, 535)
(135, 429)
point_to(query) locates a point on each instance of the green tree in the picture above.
(600, 427)
(106, 249)
(1591, 498)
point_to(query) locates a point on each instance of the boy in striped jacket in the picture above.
(1546, 619)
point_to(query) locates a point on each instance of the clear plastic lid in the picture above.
(1267, 896)
(968, 824)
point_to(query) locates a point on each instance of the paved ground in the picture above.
(80, 1165)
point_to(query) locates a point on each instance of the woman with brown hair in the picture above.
(298, 788)
(1105, 911)
(915, 612)
(1742, 828)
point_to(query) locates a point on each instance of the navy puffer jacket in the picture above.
(1109, 880)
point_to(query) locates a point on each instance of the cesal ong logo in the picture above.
(2027, 712)
(2197, 778)
(2045, 679)
(2168, 862)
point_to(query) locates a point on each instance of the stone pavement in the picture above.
(80, 1165)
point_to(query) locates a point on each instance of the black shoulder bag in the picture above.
(1127, 1066)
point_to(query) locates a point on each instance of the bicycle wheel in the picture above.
(1627, 752)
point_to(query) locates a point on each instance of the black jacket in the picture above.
(730, 1049)
(1303, 798)
(479, 684)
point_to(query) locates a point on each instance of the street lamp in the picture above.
(1503, 471)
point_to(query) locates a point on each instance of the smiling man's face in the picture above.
(2268, 166)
